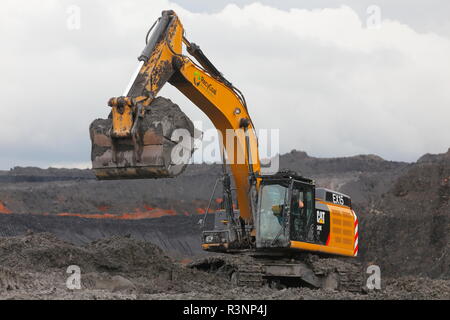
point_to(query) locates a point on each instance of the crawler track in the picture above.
(314, 271)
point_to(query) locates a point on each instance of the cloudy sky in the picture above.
(338, 78)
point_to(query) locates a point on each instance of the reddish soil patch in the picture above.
(3, 209)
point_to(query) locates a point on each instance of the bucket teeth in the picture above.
(149, 153)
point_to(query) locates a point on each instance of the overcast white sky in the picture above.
(314, 69)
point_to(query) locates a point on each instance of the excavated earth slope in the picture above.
(407, 232)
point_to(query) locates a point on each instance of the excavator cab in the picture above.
(309, 218)
(285, 209)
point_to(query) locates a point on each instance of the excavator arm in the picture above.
(226, 111)
(163, 61)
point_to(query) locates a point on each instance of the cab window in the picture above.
(272, 212)
(301, 211)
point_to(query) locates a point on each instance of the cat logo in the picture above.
(321, 217)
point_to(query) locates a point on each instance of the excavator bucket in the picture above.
(160, 147)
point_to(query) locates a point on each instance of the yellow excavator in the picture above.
(276, 228)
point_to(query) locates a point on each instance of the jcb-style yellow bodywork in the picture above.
(343, 236)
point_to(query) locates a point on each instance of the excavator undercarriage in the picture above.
(283, 269)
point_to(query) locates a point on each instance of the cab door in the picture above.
(301, 212)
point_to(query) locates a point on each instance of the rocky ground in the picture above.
(34, 266)
(51, 219)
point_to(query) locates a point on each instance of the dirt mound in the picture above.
(118, 263)
(435, 157)
(40, 252)
(11, 280)
(126, 255)
(310, 166)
